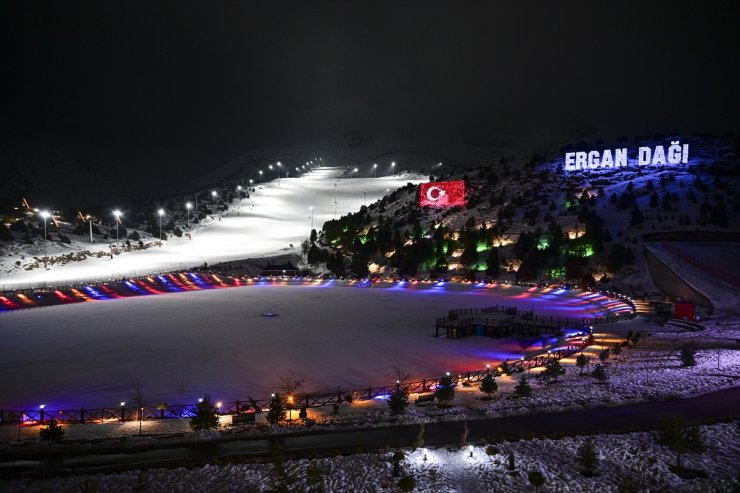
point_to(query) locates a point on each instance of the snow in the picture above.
(216, 341)
(280, 208)
(449, 469)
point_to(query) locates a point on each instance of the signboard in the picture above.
(619, 158)
(442, 194)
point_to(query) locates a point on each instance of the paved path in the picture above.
(718, 406)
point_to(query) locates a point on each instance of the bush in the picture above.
(491, 450)
(688, 354)
(407, 483)
(536, 479)
(206, 415)
(53, 432)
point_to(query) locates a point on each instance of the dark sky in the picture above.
(181, 83)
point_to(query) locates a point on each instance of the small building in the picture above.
(685, 310)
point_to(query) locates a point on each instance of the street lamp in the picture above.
(117, 214)
(375, 169)
(260, 176)
(161, 213)
(44, 215)
(214, 194)
(393, 168)
(251, 181)
(271, 175)
(354, 171)
(188, 205)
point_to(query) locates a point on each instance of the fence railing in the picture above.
(308, 400)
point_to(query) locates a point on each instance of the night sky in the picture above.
(172, 85)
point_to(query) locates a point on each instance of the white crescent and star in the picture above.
(434, 198)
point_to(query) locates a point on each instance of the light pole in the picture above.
(393, 168)
(311, 218)
(188, 205)
(375, 170)
(260, 176)
(161, 213)
(117, 214)
(271, 174)
(251, 181)
(44, 215)
(354, 172)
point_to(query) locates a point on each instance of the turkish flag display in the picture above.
(442, 194)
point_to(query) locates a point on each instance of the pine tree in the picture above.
(488, 385)
(398, 400)
(604, 355)
(616, 349)
(53, 432)
(553, 369)
(511, 462)
(587, 457)
(206, 415)
(688, 354)
(581, 362)
(599, 373)
(523, 389)
(505, 368)
(276, 410)
(445, 391)
(681, 439)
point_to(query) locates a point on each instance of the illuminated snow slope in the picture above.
(216, 341)
(267, 223)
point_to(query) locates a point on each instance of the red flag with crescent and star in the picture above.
(442, 194)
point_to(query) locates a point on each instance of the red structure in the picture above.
(685, 310)
(442, 194)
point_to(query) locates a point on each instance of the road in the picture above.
(718, 406)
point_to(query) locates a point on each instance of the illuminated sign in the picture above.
(618, 158)
(442, 194)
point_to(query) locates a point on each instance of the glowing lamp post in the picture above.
(188, 206)
(251, 181)
(160, 212)
(375, 170)
(260, 176)
(123, 410)
(41, 413)
(290, 407)
(271, 174)
(44, 215)
(117, 214)
(393, 168)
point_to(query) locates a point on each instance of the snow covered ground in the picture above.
(179, 346)
(453, 469)
(277, 215)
